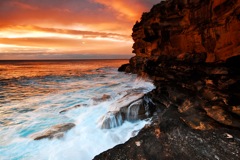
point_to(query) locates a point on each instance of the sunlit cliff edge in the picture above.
(194, 31)
(191, 49)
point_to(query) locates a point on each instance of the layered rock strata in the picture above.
(188, 30)
(190, 48)
(196, 113)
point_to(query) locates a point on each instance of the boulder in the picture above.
(124, 68)
(56, 131)
(70, 108)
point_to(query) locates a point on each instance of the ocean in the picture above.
(36, 95)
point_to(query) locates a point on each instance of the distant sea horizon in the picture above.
(94, 59)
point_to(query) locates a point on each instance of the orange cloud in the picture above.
(19, 30)
(69, 26)
(125, 9)
(64, 45)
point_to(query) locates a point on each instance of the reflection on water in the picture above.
(33, 94)
(22, 79)
(21, 69)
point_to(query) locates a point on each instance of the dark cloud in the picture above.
(57, 11)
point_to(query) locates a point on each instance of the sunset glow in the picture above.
(32, 29)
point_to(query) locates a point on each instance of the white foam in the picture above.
(86, 139)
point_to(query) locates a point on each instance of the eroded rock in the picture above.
(130, 112)
(191, 51)
(125, 68)
(111, 120)
(70, 108)
(179, 30)
(56, 131)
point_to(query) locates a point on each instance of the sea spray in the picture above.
(20, 119)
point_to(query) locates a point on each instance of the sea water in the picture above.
(33, 94)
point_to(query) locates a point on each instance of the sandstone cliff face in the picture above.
(189, 30)
(195, 107)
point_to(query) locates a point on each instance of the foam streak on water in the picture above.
(32, 95)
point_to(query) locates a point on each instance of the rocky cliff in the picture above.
(191, 49)
(189, 30)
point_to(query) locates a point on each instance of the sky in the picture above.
(68, 29)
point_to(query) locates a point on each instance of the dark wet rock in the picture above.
(70, 108)
(197, 115)
(130, 107)
(56, 131)
(233, 62)
(192, 57)
(183, 130)
(131, 111)
(177, 142)
(111, 120)
(124, 68)
(191, 51)
(127, 100)
(219, 114)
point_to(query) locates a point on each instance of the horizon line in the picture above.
(64, 59)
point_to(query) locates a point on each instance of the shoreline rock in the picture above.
(191, 50)
(195, 110)
(70, 108)
(56, 131)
